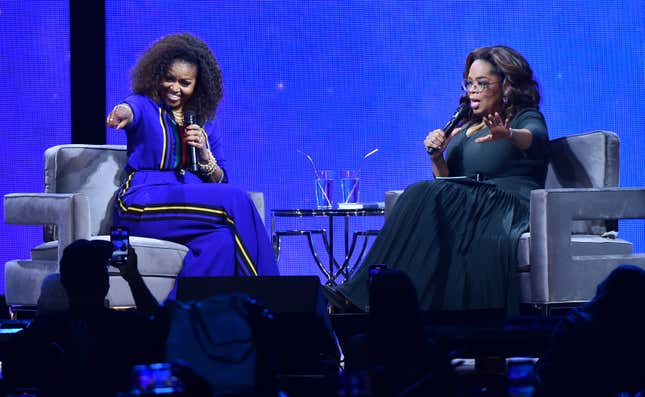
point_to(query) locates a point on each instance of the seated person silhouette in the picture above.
(598, 350)
(87, 349)
(398, 357)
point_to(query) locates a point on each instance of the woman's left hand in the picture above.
(498, 128)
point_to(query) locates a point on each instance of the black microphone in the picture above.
(460, 113)
(191, 118)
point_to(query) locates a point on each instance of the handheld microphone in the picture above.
(460, 113)
(191, 118)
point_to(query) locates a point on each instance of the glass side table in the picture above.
(334, 268)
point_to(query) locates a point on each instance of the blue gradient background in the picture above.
(335, 79)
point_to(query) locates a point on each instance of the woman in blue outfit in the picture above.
(457, 239)
(161, 197)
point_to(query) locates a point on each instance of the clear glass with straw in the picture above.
(349, 186)
(324, 188)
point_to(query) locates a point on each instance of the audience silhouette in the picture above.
(598, 350)
(399, 359)
(88, 349)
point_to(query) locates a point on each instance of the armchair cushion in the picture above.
(159, 263)
(93, 170)
(589, 160)
(23, 278)
(53, 297)
(581, 245)
(584, 160)
(156, 257)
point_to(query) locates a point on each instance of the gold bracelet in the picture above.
(209, 168)
(221, 176)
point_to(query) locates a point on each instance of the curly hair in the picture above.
(520, 90)
(151, 69)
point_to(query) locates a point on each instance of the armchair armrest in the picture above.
(69, 212)
(391, 196)
(552, 212)
(258, 201)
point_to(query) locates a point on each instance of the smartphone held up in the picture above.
(373, 271)
(120, 239)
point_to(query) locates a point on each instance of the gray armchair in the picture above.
(81, 182)
(571, 246)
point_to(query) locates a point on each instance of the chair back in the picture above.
(94, 170)
(589, 160)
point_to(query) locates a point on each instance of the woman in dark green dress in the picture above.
(457, 238)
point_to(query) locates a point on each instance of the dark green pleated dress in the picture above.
(458, 240)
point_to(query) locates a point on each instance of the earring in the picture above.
(505, 100)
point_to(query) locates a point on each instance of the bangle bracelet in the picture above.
(209, 168)
(510, 133)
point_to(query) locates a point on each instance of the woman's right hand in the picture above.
(435, 140)
(120, 116)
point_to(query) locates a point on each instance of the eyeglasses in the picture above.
(476, 86)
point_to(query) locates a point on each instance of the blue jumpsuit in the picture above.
(160, 199)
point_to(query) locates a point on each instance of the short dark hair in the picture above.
(83, 268)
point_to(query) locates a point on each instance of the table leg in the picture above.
(346, 234)
(345, 269)
(331, 248)
(276, 246)
(307, 233)
(332, 270)
(275, 240)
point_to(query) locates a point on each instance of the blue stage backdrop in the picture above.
(34, 64)
(334, 79)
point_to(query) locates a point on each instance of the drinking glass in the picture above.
(349, 183)
(324, 188)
